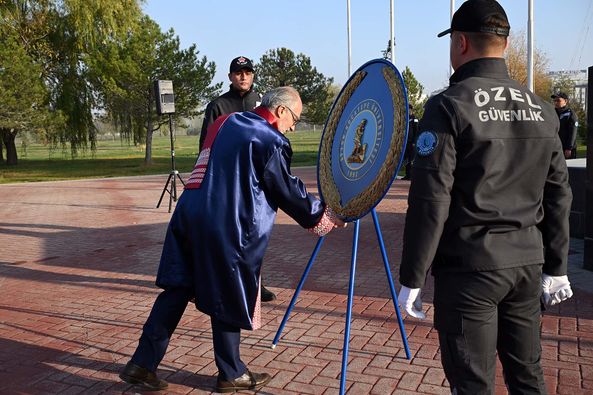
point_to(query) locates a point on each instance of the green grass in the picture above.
(116, 159)
(305, 147)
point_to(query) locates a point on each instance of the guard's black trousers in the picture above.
(480, 313)
(161, 323)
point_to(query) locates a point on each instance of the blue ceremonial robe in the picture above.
(219, 231)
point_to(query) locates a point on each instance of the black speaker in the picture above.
(165, 99)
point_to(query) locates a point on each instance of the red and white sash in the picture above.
(199, 171)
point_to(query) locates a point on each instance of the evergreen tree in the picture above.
(415, 92)
(281, 67)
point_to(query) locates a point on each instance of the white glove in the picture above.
(556, 289)
(409, 299)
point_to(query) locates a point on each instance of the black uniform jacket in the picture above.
(227, 103)
(568, 128)
(490, 186)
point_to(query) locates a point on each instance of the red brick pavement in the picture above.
(77, 266)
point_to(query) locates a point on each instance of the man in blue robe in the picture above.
(218, 235)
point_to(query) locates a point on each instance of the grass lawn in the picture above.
(116, 159)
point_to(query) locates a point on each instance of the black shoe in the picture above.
(248, 381)
(134, 374)
(267, 295)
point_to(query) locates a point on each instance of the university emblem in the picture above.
(427, 142)
(358, 146)
(363, 140)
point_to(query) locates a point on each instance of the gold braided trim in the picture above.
(328, 186)
(364, 200)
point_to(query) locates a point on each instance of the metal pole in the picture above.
(172, 143)
(349, 308)
(297, 291)
(349, 39)
(451, 12)
(402, 329)
(392, 32)
(530, 83)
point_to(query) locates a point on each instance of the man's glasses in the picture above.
(295, 119)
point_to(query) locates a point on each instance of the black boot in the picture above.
(267, 295)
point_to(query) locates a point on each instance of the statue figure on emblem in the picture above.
(357, 155)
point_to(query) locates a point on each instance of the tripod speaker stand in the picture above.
(170, 185)
(165, 104)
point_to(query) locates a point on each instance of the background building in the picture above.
(579, 77)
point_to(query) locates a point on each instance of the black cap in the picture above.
(561, 95)
(240, 63)
(472, 16)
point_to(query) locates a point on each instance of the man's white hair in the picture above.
(282, 96)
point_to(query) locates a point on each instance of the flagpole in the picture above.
(451, 12)
(530, 82)
(392, 32)
(349, 39)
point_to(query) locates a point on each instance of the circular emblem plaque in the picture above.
(427, 143)
(363, 140)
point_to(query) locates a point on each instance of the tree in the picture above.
(415, 88)
(562, 84)
(281, 67)
(516, 59)
(579, 109)
(415, 92)
(127, 71)
(62, 36)
(318, 110)
(24, 96)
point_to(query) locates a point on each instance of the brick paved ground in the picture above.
(77, 266)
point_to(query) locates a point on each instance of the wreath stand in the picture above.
(350, 294)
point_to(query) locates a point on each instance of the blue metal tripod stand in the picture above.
(350, 294)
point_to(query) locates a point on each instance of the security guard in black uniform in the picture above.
(488, 209)
(411, 143)
(569, 124)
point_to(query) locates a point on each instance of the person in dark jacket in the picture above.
(491, 220)
(218, 235)
(240, 97)
(411, 143)
(569, 124)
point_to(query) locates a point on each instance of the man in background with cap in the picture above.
(568, 125)
(240, 97)
(491, 220)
